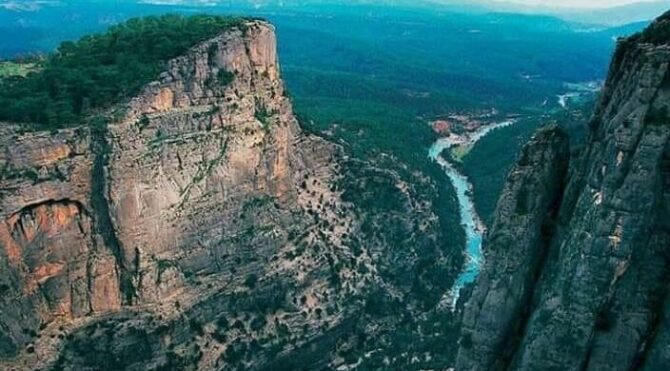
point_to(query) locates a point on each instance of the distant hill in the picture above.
(625, 30)
(621, 15)
(614, 16)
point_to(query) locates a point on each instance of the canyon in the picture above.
(200, 224)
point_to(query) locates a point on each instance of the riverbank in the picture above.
(470, 220)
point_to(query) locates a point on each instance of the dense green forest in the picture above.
(490, 160)
(101, 70)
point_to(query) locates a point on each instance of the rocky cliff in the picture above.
(577, 258)
(197, 226)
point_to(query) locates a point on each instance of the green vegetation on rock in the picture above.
(225, 77)
(489, 161)
(101, 70)
(10, 68)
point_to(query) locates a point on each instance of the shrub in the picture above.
(258, 323)
(251, 280)
(224, 77)
(466, 341)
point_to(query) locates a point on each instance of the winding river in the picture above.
(473, 225)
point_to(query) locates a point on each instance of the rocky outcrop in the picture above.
(589, 292)
(197, 227)
(54, 265)
(194, 155)
(189, 191)
(516, 245)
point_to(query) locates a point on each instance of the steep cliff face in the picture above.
(53, 263)
(196, 226)
(195, 156)
(516, 246)
(583, 286)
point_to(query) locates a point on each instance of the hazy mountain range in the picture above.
(616, 15)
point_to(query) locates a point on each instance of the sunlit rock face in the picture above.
(191, 192)
(192, 152)
(590, 291)
(200, 228)
(53, 265)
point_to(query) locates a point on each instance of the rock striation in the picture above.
(577, 261)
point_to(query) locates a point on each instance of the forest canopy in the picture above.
(101, 70)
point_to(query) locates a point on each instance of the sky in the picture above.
(571, 3)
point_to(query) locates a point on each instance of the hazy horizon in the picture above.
(583, 4)
(540, 4)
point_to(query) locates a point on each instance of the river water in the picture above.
(470, 220)
(578, 92)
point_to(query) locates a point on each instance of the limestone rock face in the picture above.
(516, 244)
(193, 152)
(200, 228)
(53, 264)
(589, 292)
(192, 191)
